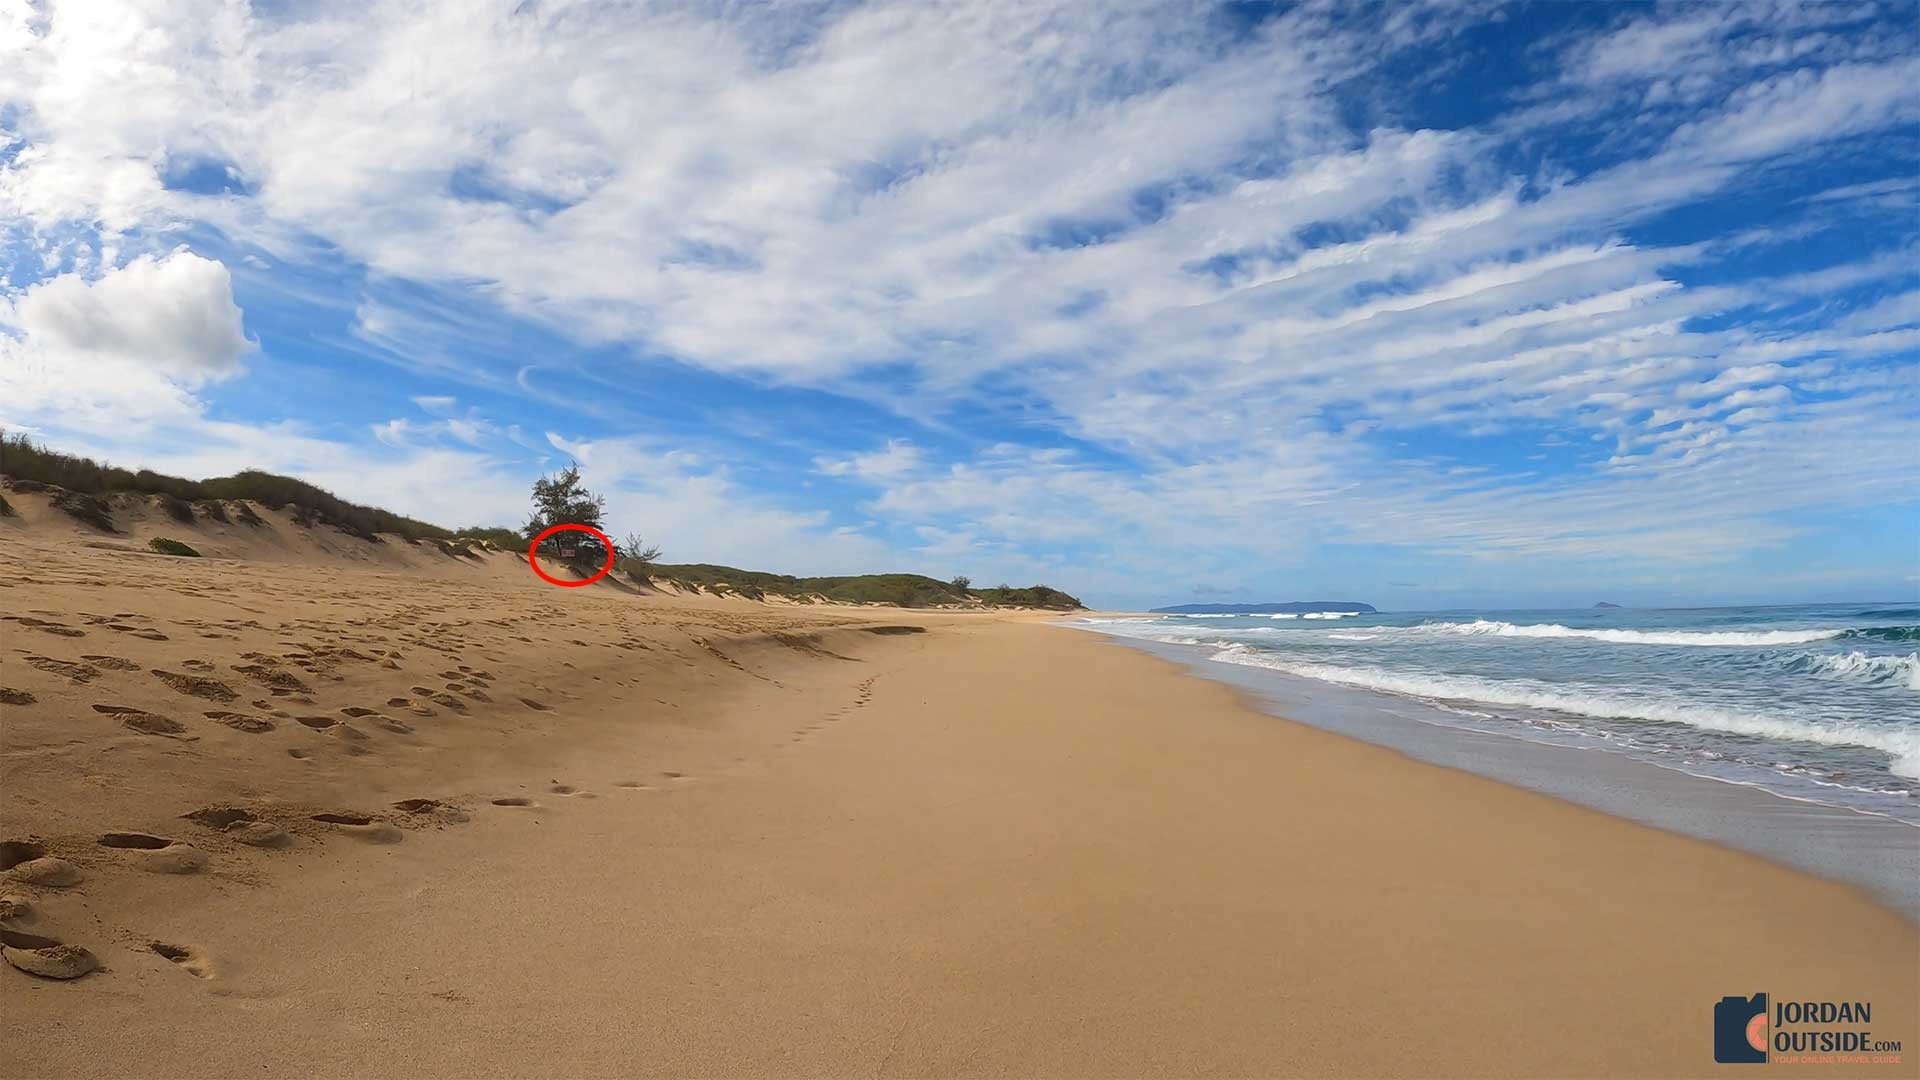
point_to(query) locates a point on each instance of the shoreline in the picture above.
(732, 839)
(1874, 853)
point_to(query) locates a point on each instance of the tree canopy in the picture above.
(564, 500)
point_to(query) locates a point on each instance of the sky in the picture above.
(1427, 306)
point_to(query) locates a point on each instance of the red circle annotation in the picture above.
(533, 551)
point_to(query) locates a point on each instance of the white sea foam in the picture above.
(1263, 615)
(1903, 746)
(1493, 628)
(1863, 667)
(1353, 637)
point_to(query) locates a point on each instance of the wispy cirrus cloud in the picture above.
(1253, 290)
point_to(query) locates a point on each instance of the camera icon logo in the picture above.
(1740, 1030)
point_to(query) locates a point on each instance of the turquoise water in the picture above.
(1814, 702)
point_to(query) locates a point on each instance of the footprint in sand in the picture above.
(45, 956)
(536, 706)
(412, 706)
(146, 723)
(45, 627)
(27, 862)
(252, 725)
(15, 852)
(157, 854)
(432, 808)
(274, 679)
(361, 827)
(79, 673)
(196, 686)
(10, 696)
(241, 825)
(514, 800)
(439, 697)
(136, 631)
(188, 959)
(631, 785)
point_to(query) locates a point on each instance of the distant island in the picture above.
(1295, 607)
(1604, 604)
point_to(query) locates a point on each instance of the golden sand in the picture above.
(380, 811)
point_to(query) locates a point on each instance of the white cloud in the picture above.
(1138, 234)
(127, 346)
(697, 513)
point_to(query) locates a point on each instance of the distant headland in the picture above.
(1293, 607)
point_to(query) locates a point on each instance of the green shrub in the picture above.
(36, 467)
(504, 539)
(1035, 596)
(902, 590)
(172, 547)
(84, 508)
(177, 508)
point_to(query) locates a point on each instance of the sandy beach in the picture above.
(599, 833)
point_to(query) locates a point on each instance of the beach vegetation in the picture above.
(86, 509)
(562, 499)
(897, 590)
(503, 538)
(637, 557)
(1032, 596)
(165, 546)
(176, 508)
(81, 480)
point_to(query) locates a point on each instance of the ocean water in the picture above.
(1819, 703)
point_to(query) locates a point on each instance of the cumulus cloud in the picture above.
(130, 344)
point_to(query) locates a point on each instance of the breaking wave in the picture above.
(1860, 667)
(1642, 637)
(1886, 633)
(1903, 746)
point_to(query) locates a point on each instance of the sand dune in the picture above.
(409, 815)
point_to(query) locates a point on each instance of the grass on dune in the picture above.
(172, 547)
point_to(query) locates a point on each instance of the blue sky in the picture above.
(1423, 305)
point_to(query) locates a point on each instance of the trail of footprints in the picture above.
(463, 685)
(32, 864)
(863, 694)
